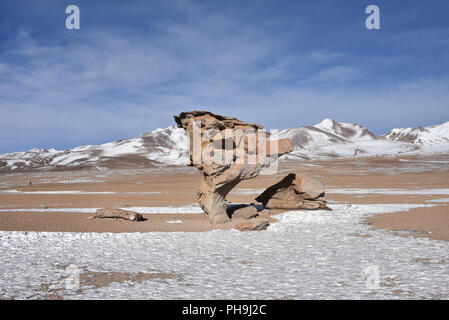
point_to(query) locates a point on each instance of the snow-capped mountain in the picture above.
(327, 132)
(156, 148)
(346, 131)
(331, 139)
(162, 147)
(430, 139)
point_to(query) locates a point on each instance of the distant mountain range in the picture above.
(331, 139)
(169, 147)
(156, 148)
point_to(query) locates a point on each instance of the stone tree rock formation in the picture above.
(295, 191)
(226, 151)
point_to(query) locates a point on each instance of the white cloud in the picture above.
(111, 84)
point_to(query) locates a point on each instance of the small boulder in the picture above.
(310, 188)
(118, 214)
(243, 211)
(255, 224)
(295, 192)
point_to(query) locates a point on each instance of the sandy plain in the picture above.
(401, 178)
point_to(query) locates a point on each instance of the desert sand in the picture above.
(176, 188)
(390, 217)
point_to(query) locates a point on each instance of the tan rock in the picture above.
(242, 211)
(117, 213)
(310, 187)
(310, 205)
(256, 224)
(294, 192)
(226, 151)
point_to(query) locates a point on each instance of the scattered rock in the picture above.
(265, 214)
(255, 224)
(295, 192)
(117, 213)
(242, 211)
(309, 187)
(226, 151)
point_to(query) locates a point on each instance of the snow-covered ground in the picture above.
(359, 191)
(389, 191)
(55, 192)
(247, 191)
(313, 254)
(439, 200)
(162, 210)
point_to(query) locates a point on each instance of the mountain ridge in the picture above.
(169, 147)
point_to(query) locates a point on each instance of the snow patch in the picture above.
(388, 191)
(143, 210)
(306, 255)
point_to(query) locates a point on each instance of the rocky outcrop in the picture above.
(226, 151)
(295, 191)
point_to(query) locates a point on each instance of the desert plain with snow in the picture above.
(386, 236)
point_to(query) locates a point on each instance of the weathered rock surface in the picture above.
(295, 191)
(117, 213)
(255, 224)
(226, 151)
(242, 211)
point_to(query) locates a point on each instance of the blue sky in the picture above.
(134, 64)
